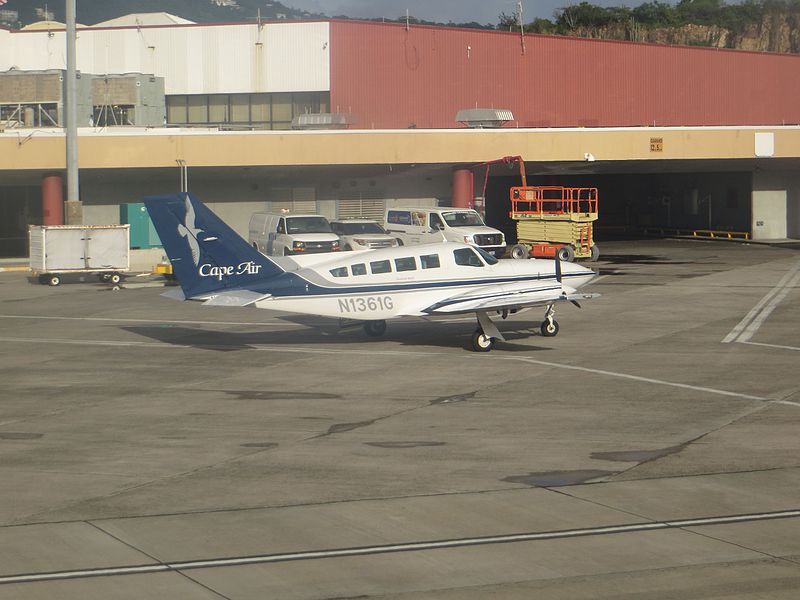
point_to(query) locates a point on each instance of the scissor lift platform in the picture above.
(554, 220)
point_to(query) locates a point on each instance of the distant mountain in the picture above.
(90, 12)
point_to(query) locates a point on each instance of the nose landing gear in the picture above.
(549, 326)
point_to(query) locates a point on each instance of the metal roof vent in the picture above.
(478, 118)
(323, 121)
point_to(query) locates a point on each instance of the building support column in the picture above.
(462, 188)
(52, 200)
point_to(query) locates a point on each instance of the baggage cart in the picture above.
(57, 250)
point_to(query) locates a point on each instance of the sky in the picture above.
(457, 11)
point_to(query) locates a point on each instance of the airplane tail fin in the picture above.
(207, 255)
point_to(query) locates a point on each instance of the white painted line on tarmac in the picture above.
(394, 548)
(129, 320)
(686, 386)
(92, 342)
(789, 402)
(351, 352)
(753, 327)
(748, 326)
(780, 346)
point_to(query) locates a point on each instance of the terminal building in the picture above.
(347, 118)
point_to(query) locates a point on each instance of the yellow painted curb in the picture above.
(19, 269)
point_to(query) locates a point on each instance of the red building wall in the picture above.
(390, 77)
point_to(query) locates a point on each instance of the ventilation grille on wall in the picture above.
(478, 118)
(322, 121)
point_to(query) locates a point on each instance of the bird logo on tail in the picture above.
(190, 231)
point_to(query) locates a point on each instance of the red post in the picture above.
(462, 188)
(52, 200)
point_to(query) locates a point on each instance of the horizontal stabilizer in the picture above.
(174, 294)
(235, 298)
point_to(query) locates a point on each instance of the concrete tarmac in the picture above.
(157, 449)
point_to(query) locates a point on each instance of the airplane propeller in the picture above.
(558, 279)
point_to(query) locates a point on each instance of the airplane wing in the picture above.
(501, 297)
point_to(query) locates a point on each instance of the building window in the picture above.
(218, 109)
(259, 111)
(240, 108)
(197, 109)
(176, 110)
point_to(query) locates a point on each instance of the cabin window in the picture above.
(405, 264)
(359, 269)
(339, 272)
(380, 266)
(467, 257)
(281, 226)
(429, 261)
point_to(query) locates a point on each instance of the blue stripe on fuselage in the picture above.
(291, 284)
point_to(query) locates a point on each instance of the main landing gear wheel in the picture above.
(481, 342)
(375, 328)
(549, 328)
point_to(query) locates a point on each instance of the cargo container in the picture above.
(56, 250)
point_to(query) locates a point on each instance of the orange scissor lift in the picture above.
(554, 220)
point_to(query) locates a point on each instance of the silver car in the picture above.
(362, 234)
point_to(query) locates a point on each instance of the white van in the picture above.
(413, 226)
(276, 234)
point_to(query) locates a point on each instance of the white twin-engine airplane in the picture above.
(214, 264)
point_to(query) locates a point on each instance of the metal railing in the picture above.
(553, 200)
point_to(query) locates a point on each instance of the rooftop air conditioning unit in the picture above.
(478, 118)
(322, 121)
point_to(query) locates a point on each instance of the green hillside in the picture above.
(90, 12)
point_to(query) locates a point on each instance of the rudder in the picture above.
(207, 255)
